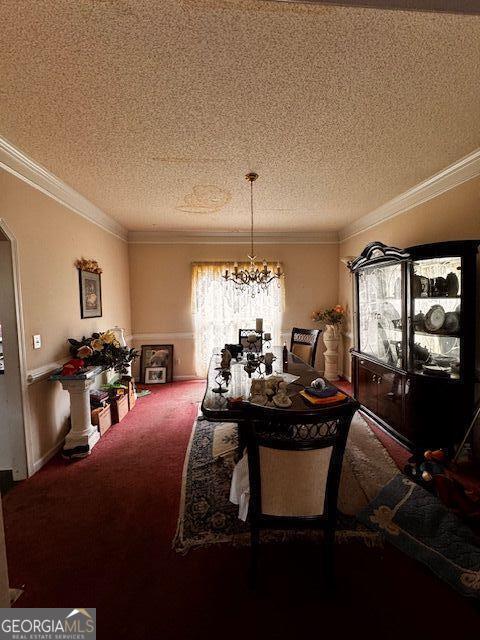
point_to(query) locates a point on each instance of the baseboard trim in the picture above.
(41, 462)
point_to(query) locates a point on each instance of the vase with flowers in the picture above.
(331, 319)
(103, 350)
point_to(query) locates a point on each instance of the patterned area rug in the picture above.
(418, 524)
(208, 517)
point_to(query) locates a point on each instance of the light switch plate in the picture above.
(37, 341)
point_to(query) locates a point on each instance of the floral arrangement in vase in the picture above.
(332, 320)
(85, 264)
(333, 316)
(102, 350)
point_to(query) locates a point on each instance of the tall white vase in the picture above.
(331, 339)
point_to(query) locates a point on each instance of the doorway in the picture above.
(13, 453)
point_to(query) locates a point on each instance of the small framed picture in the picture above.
(90, 294)
(154, 356)
(155, 375)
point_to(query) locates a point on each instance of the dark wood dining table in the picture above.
(216, 407)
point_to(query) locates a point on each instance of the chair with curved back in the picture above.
(294, 475)
(304, 344)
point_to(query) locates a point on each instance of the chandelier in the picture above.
(257, 276)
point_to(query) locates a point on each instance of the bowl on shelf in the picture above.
(443, 361)
(435, 370)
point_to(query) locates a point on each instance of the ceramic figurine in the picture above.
(272, 385)
(226, 358)
(269, 358)
(281, 398)
(257, 392)
(318, 383)
(452, 284)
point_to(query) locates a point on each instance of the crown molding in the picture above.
(16, 162)
(231, 237)
(468, 7)
(461, 171)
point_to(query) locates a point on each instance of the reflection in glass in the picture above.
(380, 307)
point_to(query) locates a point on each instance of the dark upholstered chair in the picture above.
(243, 334)
(304, 344)
(294, 475)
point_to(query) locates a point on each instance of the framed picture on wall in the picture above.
(155, 375)
(155, 356)
(90, 294)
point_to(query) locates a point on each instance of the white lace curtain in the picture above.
(220, 310)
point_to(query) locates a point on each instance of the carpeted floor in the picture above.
(98, 532)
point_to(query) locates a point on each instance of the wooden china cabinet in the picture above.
(416, 354)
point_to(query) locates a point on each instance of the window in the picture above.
(220, 310)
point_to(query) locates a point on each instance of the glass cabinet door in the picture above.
(380, 313)
(435, 343)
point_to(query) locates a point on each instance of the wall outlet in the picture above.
(37, 341)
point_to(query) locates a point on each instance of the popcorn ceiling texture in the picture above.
(138, 104)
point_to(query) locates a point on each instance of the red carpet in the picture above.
(98, 533)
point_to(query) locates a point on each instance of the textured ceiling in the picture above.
(155, 109)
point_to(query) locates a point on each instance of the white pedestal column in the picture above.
(83, 436)
(331, 338)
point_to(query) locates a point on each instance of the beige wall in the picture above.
(160, 277)
(50, 237)
(157, 277)
(454, 215)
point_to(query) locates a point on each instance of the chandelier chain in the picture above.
(251, 213)
(255, 277)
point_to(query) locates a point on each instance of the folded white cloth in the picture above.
(240, 487)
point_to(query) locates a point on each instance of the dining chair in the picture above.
(294, 475)
(244, 334)
(304, 344)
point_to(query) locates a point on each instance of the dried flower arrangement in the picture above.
(88, 265)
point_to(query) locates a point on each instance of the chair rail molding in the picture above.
(136, 337)
(452, 176)
(44, 372)
(19, 164)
